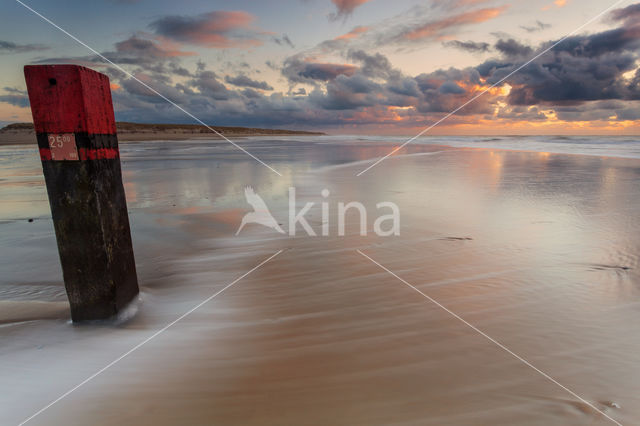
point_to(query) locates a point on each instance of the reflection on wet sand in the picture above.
(540, 251)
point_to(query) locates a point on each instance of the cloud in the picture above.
(179, 70)
(298, 70)
(436, 29)
(150, 55)
(469, 46)
(207, 83)
(348, 82)
(325, 72)
(347, 92)
(272, 65)
(159, 83)
(284, 40)
(422, 24)
(85, 61)
(218, 29)
(629, 15)
(11, 47)
(587, 77)
(244, 81)
(451, 88)
(627, 112)
(15, 97)
(444, 90)
(556, 3)
(511, 48)
(538, 26)
(137, 50)
(354, 33)
(583, 68)
(376, 65)
(344, 8)
(15, 90)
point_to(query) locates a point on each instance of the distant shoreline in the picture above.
(24, 134)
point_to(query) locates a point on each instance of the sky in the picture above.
(344, 66)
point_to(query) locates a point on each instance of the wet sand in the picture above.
(539, 251)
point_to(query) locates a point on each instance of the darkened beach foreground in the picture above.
(538, 250)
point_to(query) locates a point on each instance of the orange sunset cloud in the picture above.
(434, 29)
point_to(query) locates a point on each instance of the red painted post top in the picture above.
(69, 99)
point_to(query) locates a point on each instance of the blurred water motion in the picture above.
(539, 250)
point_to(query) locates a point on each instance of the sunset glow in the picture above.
(354, 66)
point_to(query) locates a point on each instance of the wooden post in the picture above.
(76, 132)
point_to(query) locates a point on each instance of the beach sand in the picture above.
(24, 134)
(537, 250)
(29, 138)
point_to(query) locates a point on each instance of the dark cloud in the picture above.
(583, 68)
(244, 81)
(451, 88)
(469, 46)
(537, 26)
(251, 94)
(179, 70)
(220, 29)
(284, 40)
(207, 82)
(297, 70)
(629, 14)
(347, 92)
(15, 97)
(622, 39)
(287, 40)
(511, 48)
(375, 65)
(146, 55)
(325, 72)
(628, 113)
(15, 100)
(140, 51)
(15, 90)
(134, 88)
(522, 113)
(403, 86)
(445, 90)
(608, 110)
(11, 47)
(560, 77)
(493, 67)
(272, 65)
(366, 91)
